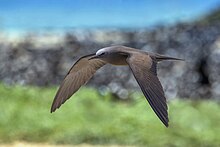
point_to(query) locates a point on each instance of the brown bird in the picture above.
(142, 64)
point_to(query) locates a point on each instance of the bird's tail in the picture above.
(162, 57)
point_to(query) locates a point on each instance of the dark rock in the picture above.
(197, 77)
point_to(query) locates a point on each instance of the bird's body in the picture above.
(143, 65)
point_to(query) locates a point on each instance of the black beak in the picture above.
(94, 57)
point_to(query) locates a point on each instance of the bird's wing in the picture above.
(144, 69)
(77, 76)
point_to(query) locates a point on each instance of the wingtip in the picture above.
(166, 125)
(54, 105)
(165, 121)
(53, 109)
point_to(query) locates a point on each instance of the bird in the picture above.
(142, 64)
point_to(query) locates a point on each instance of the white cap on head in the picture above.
(106, 49)
(100, 51)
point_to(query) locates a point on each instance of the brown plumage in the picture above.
(142, 64)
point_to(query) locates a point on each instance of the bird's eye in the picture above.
(102, 54)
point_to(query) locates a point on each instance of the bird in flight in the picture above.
(142, 64)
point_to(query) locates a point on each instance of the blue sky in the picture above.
(34, 14)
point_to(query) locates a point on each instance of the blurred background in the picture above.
(40, 40)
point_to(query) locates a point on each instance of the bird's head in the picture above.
(107, 52)
(102, 53)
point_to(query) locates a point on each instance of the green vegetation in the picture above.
(94, 119)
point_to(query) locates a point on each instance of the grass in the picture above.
(94, 119)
